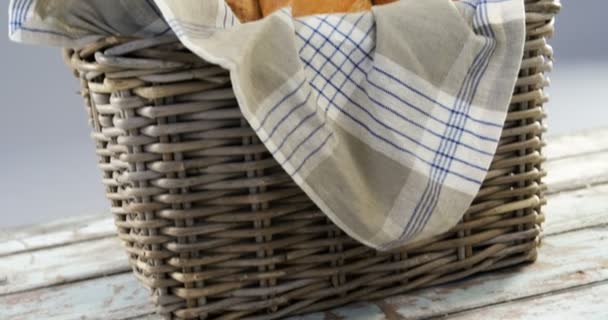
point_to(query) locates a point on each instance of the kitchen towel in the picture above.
(387, 119)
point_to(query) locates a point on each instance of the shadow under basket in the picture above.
(217, 230)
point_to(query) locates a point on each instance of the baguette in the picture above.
(245, 10)
(310, 7)
(381, 2)
(270, 6)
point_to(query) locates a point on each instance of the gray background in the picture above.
(48, 162)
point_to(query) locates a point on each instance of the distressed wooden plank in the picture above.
(577, 144)
(567, 260)
(104, 256)
(41, 268)
(115, 297)
(566, 211)
(577, 172)
(587, 303)
(56, 233)
(577, 209)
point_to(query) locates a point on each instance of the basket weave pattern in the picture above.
(218, 230)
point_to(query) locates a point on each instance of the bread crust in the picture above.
(310, 7)
(270, 6)
(381, 2)
(245, 10)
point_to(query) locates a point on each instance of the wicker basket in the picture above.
(218, 230)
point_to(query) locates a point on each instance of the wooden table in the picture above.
(75, 268)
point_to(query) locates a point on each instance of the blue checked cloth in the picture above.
(387, 119)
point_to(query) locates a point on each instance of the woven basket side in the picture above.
(217, 230)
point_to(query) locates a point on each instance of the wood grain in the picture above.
(577, 144)
(115, 297)
(56, 266)
(565, 261)
(70, 230)
(577, 209)
(587, 303)
(577, 172)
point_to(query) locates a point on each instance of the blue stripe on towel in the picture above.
(390, 128)
(278, 104)
(327, 40)
(365, 110)
(394, 145)
(282, 120)
(429, 200)
(443, 106)
(301, 143)
(313, 152)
